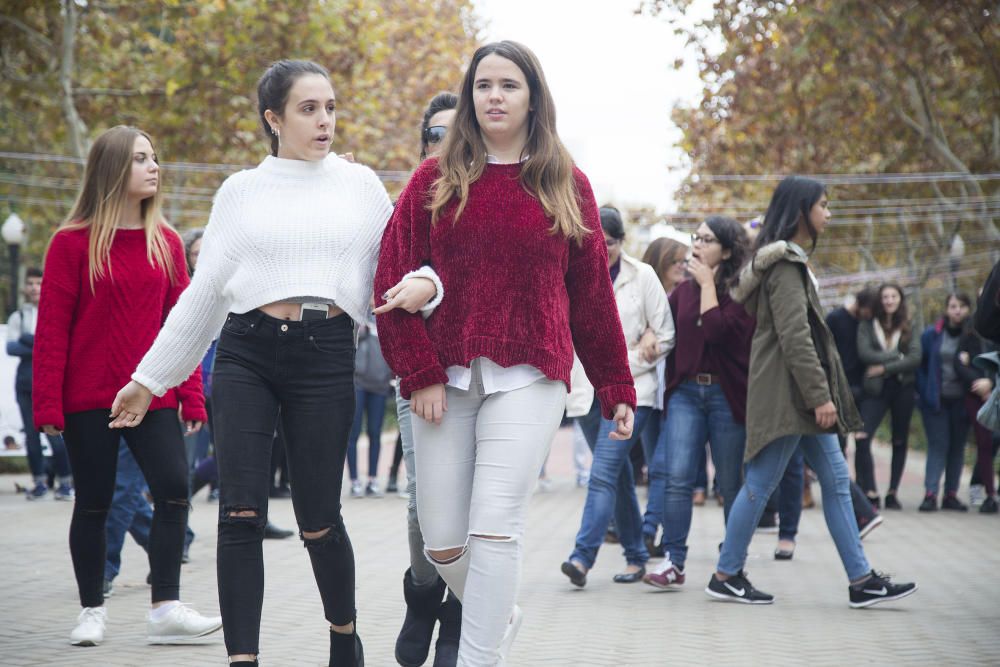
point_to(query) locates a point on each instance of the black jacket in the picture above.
(988, 311)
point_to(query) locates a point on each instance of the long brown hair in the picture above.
(662, 254)
(900, 320)
(547, 173)
(102, 198)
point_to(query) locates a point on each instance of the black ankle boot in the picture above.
(422, 603)
(244, 663)
(449, 633)
(346, 650)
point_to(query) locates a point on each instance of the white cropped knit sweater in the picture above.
(288, 228)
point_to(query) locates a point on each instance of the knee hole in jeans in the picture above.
(242, 514)
(446, 556)
(317, 538)
(492, 538)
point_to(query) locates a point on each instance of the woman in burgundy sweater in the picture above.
(706, 394)
(512, 228)
(112, 273)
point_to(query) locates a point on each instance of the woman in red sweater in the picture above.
(112, 273)
(512, 228)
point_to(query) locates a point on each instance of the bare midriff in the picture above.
(283, 310)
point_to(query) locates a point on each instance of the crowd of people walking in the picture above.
(496, 297)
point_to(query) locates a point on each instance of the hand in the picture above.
(963, 358)
(347, 156)
(411, 295)
(623, 418)
(875, 371)
(826, 415)
(649, 346)
(192, 427)
(982, 387)
(49, 429)
(702, 273)
(429, 403)
(130, 406)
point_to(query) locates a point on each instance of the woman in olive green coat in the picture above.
(798, 395)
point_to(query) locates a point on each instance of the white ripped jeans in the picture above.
(477, 471)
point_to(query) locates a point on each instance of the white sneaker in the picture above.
(977, 494)
(357, 491)
(510, 634)
(89, 630)
(180, 624)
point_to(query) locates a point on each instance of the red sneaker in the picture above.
(665, 576)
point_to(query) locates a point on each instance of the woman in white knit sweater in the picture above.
(289, 253)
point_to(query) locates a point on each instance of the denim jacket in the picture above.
(929, 372)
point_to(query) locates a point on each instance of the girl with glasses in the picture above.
(423, 588)
(705, 397)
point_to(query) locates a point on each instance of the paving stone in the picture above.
(954, 557)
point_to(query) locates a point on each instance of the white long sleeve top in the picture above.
(642, 304)
(285, 229)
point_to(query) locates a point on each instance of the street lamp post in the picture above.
(955, 254)
(12, 232)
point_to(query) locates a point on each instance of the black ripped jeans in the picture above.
(158, 447)
(302, 373)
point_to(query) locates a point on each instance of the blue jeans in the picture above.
(657, 475)
(33, 444)
(790, 496)
(947, 430)
(696, 414)
(130, 513)
(374, 405)
(764, 472)
(611, 492)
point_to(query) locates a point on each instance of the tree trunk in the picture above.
(79, 142)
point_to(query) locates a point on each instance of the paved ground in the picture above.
(950, 621)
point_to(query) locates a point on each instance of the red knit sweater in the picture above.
(514, 292)
(87, 343)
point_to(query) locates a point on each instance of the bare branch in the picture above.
(115, 92)
(29, 31)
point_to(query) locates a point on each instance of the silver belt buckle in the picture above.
(703, 379)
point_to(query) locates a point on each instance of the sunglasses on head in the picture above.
(435, 134)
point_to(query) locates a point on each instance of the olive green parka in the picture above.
(794, 364)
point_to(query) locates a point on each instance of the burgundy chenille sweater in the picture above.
(514, 292)
(87, 343)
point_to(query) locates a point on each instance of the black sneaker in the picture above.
(878, 589)
(929, 504)
(951, 502)
(891, 503)
(768, 523)
(737, 588)
(989, 506)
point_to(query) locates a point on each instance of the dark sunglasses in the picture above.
(435, 134)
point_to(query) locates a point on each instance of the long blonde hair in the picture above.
(101, 203)
(547, 173)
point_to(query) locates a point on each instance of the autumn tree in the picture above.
(853, 87)
(186, 72)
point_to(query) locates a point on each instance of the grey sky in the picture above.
(614, 84)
